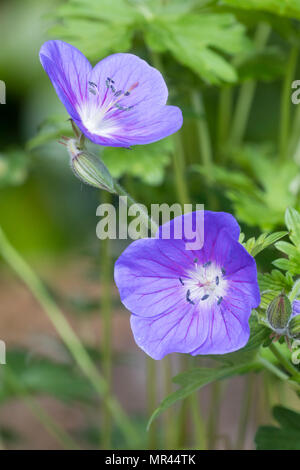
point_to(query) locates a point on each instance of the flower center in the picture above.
(101, 117)
(204, 283)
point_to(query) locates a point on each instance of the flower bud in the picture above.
(89, 168)
(294, 327)
(279, 312)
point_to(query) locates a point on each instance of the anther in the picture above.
(219, 300)
(188, 293)
(223, 271)
(181, 281)
(205, 297)
(207, 264)
(217, 280)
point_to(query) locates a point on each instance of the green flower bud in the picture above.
(294, 327)
(89, 168)
(279, 312)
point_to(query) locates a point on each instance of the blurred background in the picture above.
(229, 67)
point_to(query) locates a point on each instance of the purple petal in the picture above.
(239, 267)
(203, 226)
(148, 275)
(180, 329)
(68, 70)
(296, 308)
(127, 70)
(137, 128)
(131, 96)
(228, 326)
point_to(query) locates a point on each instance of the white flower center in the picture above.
(101, 120)
(205, 283)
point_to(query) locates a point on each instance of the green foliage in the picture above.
(146, 162)
(259, 197)
(266, 65)
(290, 8)
(285, 437)
(197, 41)
(258, 335)
(255, 246)
(195, 379)
(291, 250)
(236, 363)
(50, 130)
(14, 166)
(41, 376)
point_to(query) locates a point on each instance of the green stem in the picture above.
(53, 428)
(146, 219)
(285, 114)
(77, 350)
(170, 426)
(151, 394)
(203, 132)
(178, 154)
(285, 362)
(294, 145)
(224, 118)
(150, 365)
(179, 171)
(214, 415)
(245, 412)
(199, 427)
(106, 313)
(246, 93)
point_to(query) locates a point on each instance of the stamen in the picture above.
(207, 264)
(219, 300)
(92, 87)
(205, 297)
(188, 293)
(217, 280)
(223, 271)
(181, 281)
(196, 260)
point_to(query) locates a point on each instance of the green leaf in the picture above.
(41, 376)
(262, 242)
(194, 379)
(275, 281)
(146, 162)
(292, 221)
(51, 129)
(14, 166)
(266, 65)
(285, 437)
(290, 8)
(95, 39)
(198, 41)
(265, 206)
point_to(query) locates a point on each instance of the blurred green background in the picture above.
(229, 67)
